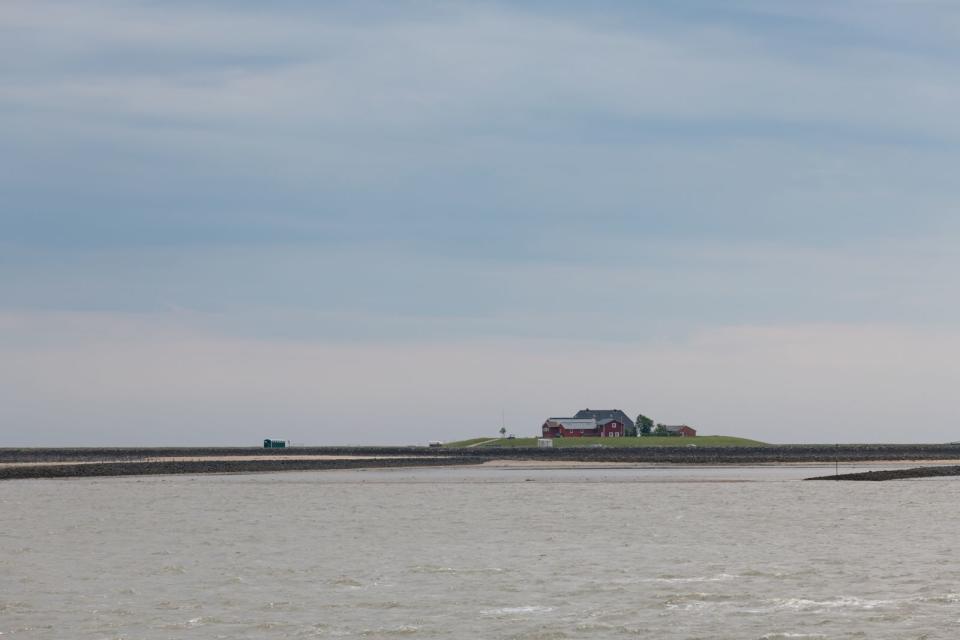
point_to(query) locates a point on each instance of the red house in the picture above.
(582, 428)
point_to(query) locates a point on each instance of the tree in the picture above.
(503, 431)
(661, 430)
(644, 425)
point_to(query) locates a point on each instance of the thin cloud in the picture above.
(160, 382)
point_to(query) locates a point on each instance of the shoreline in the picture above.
(198, 465)
(586, 464)
(202, 466)
(928, 471)
(680, 453)
(27, 463)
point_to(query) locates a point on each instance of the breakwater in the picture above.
(678, 454)
(895, 474)
(166, 467)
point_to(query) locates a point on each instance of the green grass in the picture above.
(472, 441)
(648, 441)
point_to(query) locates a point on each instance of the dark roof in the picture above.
(604, 421)
(604, 414)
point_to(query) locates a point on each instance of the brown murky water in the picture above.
(480, 553)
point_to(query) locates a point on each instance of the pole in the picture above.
(836, 462)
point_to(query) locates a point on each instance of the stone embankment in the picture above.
(71, 462)
(895, 474)
(166, 467)
(678, 454)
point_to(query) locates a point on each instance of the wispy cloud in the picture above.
(376, 179)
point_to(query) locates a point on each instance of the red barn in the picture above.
(582, 428)
(681, 430)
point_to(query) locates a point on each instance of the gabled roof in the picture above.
(608, 421)
(575, 423)
(603, 414)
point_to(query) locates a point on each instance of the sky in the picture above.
(393, 222)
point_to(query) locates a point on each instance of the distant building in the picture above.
(629, 428)
(681, 430)
(582, 428)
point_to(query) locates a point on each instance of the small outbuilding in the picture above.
(681, 430)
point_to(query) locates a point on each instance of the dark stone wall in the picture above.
(896, 474)
(96, 469)
(678, 454)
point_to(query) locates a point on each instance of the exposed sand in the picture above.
(577, 464)
(498, 463)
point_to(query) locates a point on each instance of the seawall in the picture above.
(678, 454)
(96, 469)
(895, 474)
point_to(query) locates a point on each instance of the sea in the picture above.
(508, 552)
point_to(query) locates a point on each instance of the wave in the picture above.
(516, 610)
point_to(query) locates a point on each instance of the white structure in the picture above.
(545, 443)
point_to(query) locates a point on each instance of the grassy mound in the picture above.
(472, 442)
(649, 441)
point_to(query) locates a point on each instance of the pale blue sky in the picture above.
(603, 189)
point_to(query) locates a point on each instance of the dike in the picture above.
(653, 455)
(101, 469)
(895, 474)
